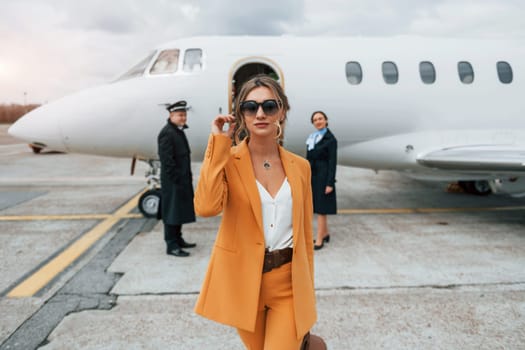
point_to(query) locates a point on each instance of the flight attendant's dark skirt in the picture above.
(324, 204)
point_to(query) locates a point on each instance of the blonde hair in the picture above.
(260, 80)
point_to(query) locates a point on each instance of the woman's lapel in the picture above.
(243, 163)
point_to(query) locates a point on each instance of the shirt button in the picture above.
(271, 225)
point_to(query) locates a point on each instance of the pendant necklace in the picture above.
(267, 165)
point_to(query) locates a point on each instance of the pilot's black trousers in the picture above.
(172, 234)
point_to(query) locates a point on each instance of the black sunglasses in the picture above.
(269, 107)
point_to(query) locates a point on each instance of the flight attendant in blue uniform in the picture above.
(322, 154)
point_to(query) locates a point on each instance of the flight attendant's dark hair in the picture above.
(320, 112)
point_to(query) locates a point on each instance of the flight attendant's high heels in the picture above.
(326, 239)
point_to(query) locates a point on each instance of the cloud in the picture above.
(237, 17)
(487, 19)
(56, 47)
(190, 11)
(357, 17)
(451, 18)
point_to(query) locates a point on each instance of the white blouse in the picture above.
(277, 216)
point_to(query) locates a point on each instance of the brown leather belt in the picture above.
(276, 258)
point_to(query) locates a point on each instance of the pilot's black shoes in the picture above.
(183, 244)
(175, 247)
(177, 251)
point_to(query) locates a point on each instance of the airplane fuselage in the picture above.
(389, 120)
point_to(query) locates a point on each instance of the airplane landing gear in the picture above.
(149, 201)
(479, 187)
(36, 149)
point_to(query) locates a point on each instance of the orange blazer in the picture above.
(230, 291)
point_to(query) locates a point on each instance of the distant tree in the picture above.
(9, 113)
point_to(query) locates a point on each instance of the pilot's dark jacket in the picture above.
(323, 161)
(175, 176)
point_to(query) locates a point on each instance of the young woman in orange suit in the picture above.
(260, 277)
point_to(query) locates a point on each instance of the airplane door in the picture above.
(245, 69)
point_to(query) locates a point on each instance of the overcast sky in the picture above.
(50, 48)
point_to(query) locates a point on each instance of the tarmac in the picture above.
(409, 265)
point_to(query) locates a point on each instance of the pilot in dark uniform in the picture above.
(176, 180)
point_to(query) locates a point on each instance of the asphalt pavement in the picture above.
(409, 264)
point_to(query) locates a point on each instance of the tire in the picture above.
(482, 187)
(35, 149)
(479, 187)
(149, 203)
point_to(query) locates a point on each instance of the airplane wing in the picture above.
(477, 158)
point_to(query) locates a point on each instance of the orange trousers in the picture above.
(275, 325)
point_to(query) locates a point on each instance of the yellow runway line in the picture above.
(439, 210)
(376, 211)
(67, 217)
(424, 210)
(38, 280)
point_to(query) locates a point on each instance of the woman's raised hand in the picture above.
(217, 125)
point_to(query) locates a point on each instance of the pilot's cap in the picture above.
(177, 106)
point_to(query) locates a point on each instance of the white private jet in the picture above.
(441, 109)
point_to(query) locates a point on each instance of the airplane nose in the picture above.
(39, 127)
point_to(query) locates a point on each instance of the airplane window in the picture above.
(354, 73)
(137, 69)
(193, 60)
(466, 73)
(427, 72)
(504, 72)
(166, 63)
(390, 73)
